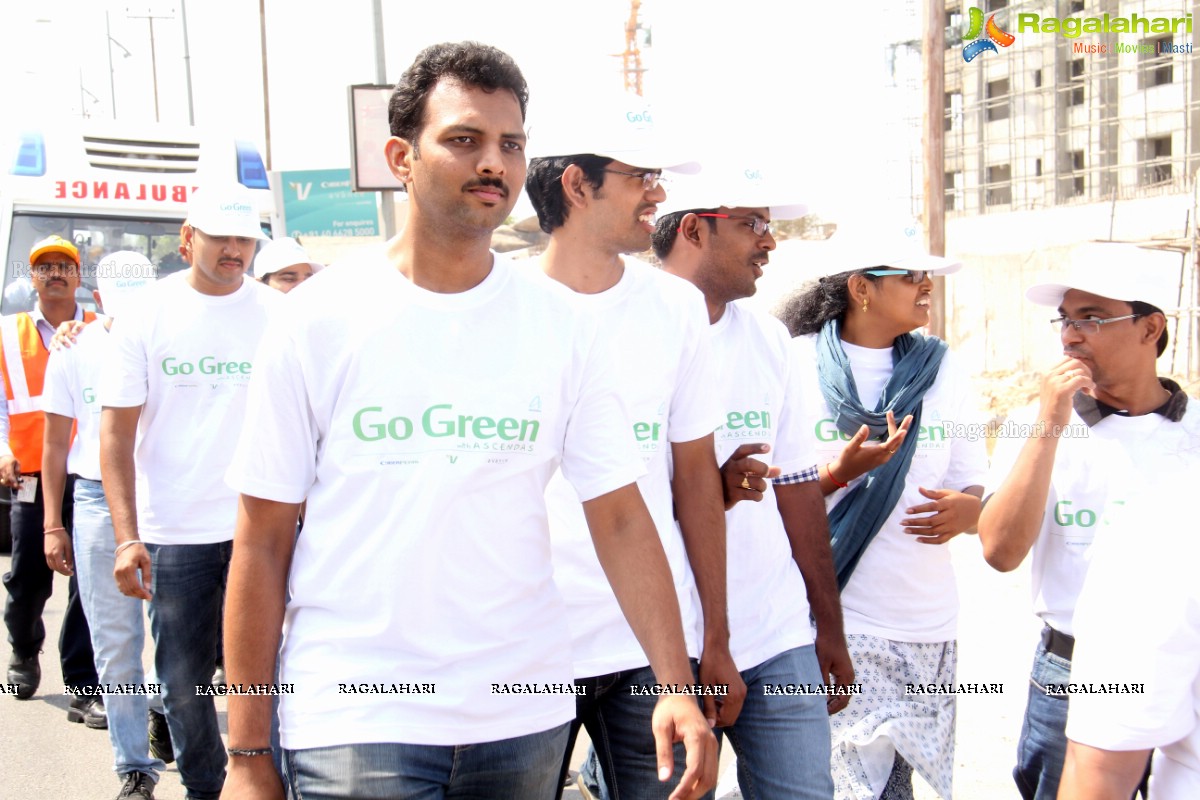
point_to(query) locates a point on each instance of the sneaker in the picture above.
(160, 737)
(218, 678)
(88, 710)
(137, 786)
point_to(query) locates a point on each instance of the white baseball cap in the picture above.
(734, 186)
(225, 210)
(280, 254)
(1118, 271)
(622, 129)
(890, 242)
(120, 278)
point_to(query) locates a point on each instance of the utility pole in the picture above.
(388, 201)
(933, 50)
(150, 16)
(187, 62)
(262, 32)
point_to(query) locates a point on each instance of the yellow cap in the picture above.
(54, 244)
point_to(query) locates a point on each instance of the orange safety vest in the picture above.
(20, 341)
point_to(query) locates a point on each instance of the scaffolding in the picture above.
(1045, 123)
(1053, 122)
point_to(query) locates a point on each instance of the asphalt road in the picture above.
(42, 755)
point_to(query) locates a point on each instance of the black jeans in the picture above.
(30, 583)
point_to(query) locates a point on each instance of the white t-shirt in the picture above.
(1138, 622)
(1091, 471)
(186, 358)
(657, 328)
(70, 390)
(902, 589)
(761, 396)
(423, 428)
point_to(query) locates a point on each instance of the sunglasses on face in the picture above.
(916, 276)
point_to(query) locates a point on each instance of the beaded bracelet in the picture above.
(242, 751)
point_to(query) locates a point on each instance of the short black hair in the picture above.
(472, 63)
(543, 184)
(666, 230)
(1145, 310)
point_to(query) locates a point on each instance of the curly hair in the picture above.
(472, 63)
(808, 309)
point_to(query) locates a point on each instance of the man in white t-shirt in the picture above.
(424, 639)
(1143, 685)
(70, 401)
(1062, 463)
(780, 565)
(597, 206)
(173, 397)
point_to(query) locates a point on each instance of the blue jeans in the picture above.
(187, 593)
(782, 741)
(117, 630)
(522, 767)
(1043, 743)
(622, 763)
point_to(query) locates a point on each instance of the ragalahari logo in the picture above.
(995, 36)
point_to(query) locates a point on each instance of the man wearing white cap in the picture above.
(598, 206)
(423, 625)
(72, 379)
(779, 564)
(283, 264)
(173, 397)
(1103, 411)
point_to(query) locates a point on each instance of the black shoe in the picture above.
(160, 737)
(137, 786)
(26, 673)
(88, 710)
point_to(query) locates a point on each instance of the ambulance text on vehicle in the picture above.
(108, 189)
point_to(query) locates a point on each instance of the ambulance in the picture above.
(110, 188)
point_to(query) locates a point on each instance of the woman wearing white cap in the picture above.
(283, 264)
(895, 495)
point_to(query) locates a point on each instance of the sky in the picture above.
(796, 86)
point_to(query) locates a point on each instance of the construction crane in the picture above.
(631, 59)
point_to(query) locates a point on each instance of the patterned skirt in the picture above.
(887, 720)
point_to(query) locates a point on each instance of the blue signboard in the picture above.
(319, 202)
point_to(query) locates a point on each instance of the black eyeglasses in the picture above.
(1088, 326)
(913, 275)
(757, 224)
(650, 178)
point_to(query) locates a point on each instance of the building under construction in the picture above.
(1073, 121)
(1056, 119)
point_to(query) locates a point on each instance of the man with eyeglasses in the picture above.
(598, 207)
(24, 352)
(780, 565)
(1104, 417)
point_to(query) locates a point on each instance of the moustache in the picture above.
(491, 183)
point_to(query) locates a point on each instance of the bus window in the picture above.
(96, 237)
